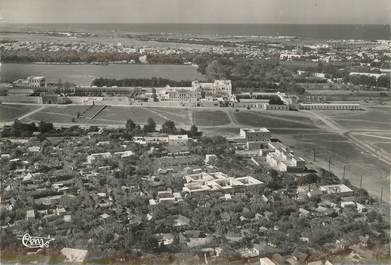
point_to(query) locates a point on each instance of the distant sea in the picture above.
(328, 32)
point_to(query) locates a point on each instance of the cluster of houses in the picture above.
(357, 51)
(49, 190)
(196, 178)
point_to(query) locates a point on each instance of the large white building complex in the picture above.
(179, 94)
(216, 181)
(198, 90)
(31, 82)
(219, 88)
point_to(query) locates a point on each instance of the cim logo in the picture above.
(35, 241)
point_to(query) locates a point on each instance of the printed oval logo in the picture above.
(35, 241)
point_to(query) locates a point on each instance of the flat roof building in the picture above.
(74, 255)
(177, 139)
(30, 214)
(179, 94)
(329, 106)
(337, 188)
(255, 134)
(216, 181)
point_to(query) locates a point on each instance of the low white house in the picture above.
(92, 157)
(217, 181)
(266, 261)
(177, 139)
(337, 188)
(74, 255)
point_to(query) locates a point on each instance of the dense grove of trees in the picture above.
(46, 129)
(25, 56)
(72, 56)
(142, 82)
(168, 127)
(20, 129)
(255, 74)
(275, 100)
(382, 81)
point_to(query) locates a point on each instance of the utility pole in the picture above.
(344, 171)
(361, 182)
(329, 164)
(314, 155)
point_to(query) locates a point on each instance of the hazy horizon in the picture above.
(319, 12)
(195, 23)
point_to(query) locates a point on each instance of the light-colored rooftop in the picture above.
(216, 181)
(74, 255)
(337, 188)
(37, 77)
(255, 129)
(178, 137)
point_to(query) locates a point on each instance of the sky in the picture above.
(197, 11)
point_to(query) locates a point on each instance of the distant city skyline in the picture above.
(197, 11)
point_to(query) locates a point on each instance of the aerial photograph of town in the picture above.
(192, 132)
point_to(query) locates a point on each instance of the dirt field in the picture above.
(272, 120)
(55, 114)
(182, 117)
(10, 112)
(120, 114)
(210, 117)
(371, 118)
